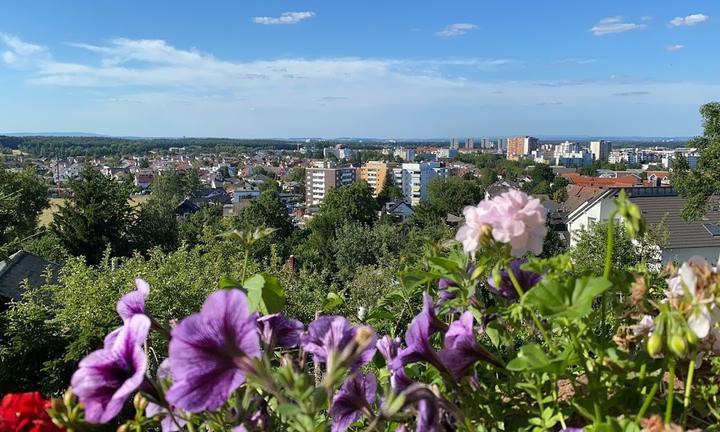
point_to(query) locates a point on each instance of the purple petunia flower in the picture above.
(355, 395)
(328, 334)
(211, 351)
(417, 338)
(427, 407)
(389, 349)
(107, 377)
(506, 289)
(279, 330)
(428, 418)
(443, 293)
(461, 350)
(133, 303)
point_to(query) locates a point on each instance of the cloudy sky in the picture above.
(330, 68)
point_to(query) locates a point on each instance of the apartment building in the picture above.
(601, 150)
(323, 177)
(416, 177)
(520, 147)
(375, 173)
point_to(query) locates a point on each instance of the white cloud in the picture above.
(151, 88)
(689, 20)
(18, 51)
(615, 25)
(456, 29)
(575, 61)
(674, 47)
(284, 18)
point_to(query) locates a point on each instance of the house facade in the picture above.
(659, 206)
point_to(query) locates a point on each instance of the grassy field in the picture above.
(46, 216)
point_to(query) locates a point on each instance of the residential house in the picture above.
(399, 210)
(658, 205)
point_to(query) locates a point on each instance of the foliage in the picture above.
(590, 248)
(700, 184)
(96, 215)
(267, 211)
(390, 191)
(452, 194)
(23, 195)
(569, 351)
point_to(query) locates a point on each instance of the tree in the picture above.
(267, 211)
(156, 225)
(353, 202)
(97, 214)
(452, 194)
(171, 188)
(588, 253)
(699, 184)
(296, 174)
(390, 191)
(23, 196)
(192, 182)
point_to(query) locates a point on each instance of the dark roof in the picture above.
(666, 208)
(500, 187)
(187, 206)
(23, 265)
(211, 195)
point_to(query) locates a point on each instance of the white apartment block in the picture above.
(416, 177)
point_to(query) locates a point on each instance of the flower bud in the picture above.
(363, 337)
(678, 346)
(123, 428)
(691, 337)
(140, 402)
(57, 405)
(69, 397)
(654, 345)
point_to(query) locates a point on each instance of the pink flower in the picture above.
(514, 218)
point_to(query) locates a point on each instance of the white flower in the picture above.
(516, 219)
(703, 317)
(644, 327)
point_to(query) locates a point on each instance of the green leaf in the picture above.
(228, 283)
(265, 293)
(566, 299)
(288, 410)
(530, 357)
(413, 279)
(332, 301)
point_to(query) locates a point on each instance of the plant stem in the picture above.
(688, 385)
(670, 392)
(608, 264)
(245, 264)
(647, 401)
(535, 319)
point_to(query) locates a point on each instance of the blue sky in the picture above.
(400, 69)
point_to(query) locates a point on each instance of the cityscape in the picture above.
(323, 216)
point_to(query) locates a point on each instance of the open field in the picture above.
(46, 216)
